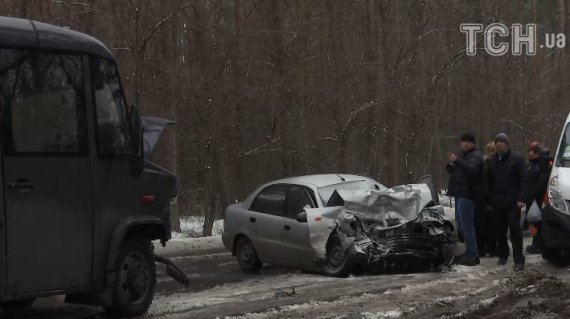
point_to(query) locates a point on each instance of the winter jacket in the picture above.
(537, 181)
(481, 190)
(508, 179)
(465, 174)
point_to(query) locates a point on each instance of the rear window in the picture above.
(271, 200)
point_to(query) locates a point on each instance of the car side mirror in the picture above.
(302, 217)
(136, 131)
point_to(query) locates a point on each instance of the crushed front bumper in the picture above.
(425, 244)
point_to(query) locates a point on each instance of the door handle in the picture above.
(252, 219)
(22, 184)
(287, 227)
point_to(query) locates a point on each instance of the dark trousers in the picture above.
(508, 218)
(486, 241)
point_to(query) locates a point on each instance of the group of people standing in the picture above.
(490, 193)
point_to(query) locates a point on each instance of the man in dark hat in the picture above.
(508, 184)
(465, 172)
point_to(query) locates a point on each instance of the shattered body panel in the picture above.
(389, 230)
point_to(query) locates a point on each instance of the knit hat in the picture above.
(469, 137)
(502, 137)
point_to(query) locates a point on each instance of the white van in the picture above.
(556, 212)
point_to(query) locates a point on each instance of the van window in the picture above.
(42, 103)
(112, 137)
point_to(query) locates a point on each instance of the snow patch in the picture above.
(383, 315)
(192, 226)
(189, 244)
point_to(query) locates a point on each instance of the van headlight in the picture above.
(555, 196)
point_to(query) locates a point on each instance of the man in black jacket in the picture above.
(465, 170)
(508, 182)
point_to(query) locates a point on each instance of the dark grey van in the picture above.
(80, 205)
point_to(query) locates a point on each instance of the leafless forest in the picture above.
(263, 89)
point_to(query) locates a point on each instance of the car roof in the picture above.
(320, 180)
(29, 34)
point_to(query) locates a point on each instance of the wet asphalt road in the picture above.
(210, 269)
(205, 269)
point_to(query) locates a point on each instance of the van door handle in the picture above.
(252, 219)
(287, 227)
(22, 184)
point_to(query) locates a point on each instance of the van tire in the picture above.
(135, 279)
(247, 256)
(339, 262)
(550, 254)
(17, 304)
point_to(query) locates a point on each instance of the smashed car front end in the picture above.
(425, 243)
(396, 230)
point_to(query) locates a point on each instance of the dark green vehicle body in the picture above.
(76, 185)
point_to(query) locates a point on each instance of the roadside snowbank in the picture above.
(192, 226)
(191, 245)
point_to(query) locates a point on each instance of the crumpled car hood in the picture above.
(385, 209)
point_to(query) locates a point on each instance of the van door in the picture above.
(47, 180)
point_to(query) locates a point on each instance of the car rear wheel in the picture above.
(135, 279)
(339, 261)
(17, 304)
(247, 256)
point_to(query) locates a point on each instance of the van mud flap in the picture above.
(173, 271)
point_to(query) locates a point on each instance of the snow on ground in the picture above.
(250, 291)
(192, 226)
(196, 245)
(474, 286)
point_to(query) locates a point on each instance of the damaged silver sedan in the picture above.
(340, 224)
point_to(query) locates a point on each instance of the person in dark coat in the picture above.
(465, 173)
(538, 174)
(486, 241)
(508, 182)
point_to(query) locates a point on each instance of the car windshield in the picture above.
(326, 191)
(563, 157)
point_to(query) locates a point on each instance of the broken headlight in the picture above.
(555, 196)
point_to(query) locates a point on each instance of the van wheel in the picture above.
(17, 304)
(339, 261)
(247, 256)
(550, 254)
(135, 279)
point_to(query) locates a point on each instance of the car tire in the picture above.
(339, 261)
(135, 279)
(247, 256)
(17, 304)
(551, 254)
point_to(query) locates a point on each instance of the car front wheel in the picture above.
(247, 256)
(339, 261)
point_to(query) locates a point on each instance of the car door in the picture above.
(296, 249)
(47, 179)
(263, 221)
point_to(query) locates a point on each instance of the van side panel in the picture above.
(2, 232)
